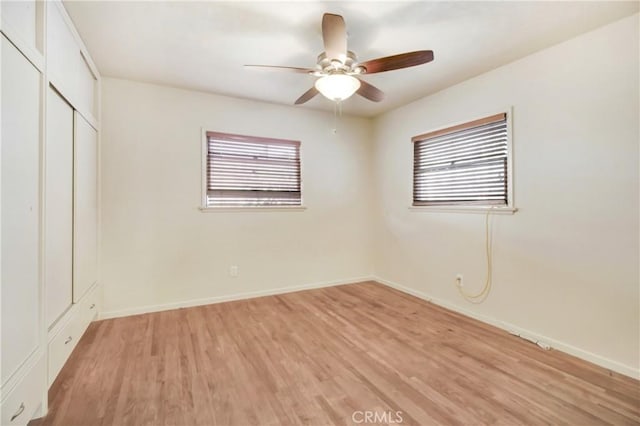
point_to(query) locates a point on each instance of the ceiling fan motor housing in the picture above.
(333, 66)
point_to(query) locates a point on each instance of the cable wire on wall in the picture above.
(484, 293)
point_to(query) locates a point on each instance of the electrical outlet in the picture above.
(459, 282)
(233, 270)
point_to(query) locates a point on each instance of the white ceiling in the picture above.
(203, 45)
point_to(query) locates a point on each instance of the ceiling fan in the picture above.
(338, 69)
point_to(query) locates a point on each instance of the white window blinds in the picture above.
(250, 171)
(462, 165)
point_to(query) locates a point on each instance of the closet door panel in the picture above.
(62, 53)
(59, 207)
(20, 17)
(87, 87)
(20, 181)
(85, 261)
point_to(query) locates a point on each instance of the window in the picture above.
(247, 171)
(463, 165)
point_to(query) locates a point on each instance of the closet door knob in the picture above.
(20, 410)
(68, 340)
(93, 305)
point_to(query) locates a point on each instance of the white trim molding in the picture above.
(222, 209)
(464, 209)
(228, 298)
(542, 341)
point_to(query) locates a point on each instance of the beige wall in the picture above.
(158, 250)
(566, 264)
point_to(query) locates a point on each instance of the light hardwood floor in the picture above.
(319, 356)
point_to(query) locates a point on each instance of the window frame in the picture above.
(204, 207)
(509, 208)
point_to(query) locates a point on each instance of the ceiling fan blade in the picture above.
(306, 96)
(403, 60)
(278, 68)
(370, 92)
(334, 36)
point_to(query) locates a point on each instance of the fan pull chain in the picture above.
(337, 112)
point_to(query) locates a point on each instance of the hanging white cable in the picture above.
(482, 295)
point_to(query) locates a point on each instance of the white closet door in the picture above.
(20, 16)
(59, 207)
(63, 53)
(20, 208)
(85, 259)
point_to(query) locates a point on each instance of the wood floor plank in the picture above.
(321, 357)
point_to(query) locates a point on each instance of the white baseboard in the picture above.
(227, 298)
(511, 328)
(522, 332)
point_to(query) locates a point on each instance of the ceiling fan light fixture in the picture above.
(337, 87)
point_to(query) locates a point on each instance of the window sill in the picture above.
(465, 209)
(251, 209)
